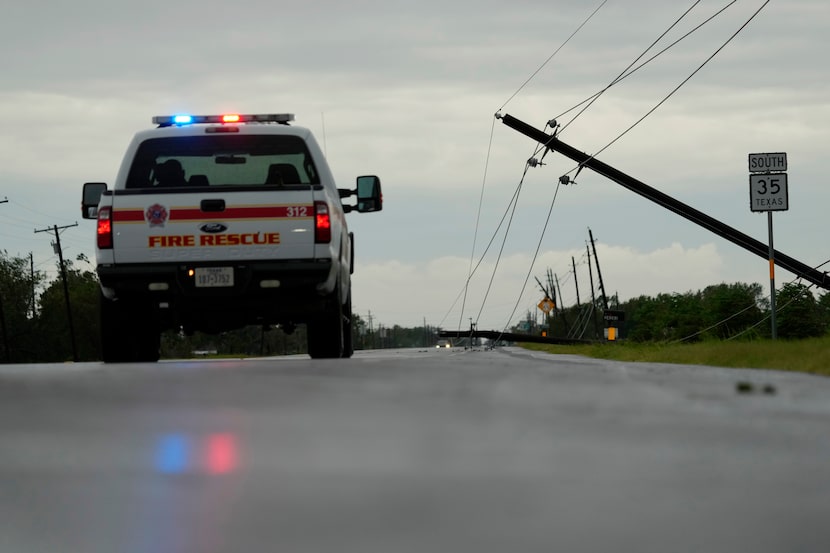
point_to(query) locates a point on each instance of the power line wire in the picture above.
(481, 198)
(535, 255)
(503, 242)
(484, 254)
(649, 60)
(624, 71)
(478, 219)
(553, 54)
(627, 72)
(678, 87)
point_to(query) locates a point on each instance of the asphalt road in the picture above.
(412, 451)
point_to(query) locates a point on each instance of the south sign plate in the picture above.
(768, 163)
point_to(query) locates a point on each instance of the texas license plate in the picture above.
(213, 277)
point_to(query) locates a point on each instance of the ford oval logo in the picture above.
(213, 228)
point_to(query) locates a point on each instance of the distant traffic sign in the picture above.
(768, 192)
(768, 163)
(546, 305)
(613, 316)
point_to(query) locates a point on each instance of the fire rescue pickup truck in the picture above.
(220, 221)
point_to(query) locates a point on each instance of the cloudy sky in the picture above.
(408, 91)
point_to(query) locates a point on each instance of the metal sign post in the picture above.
(768, 192)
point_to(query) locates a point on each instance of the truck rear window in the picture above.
(222, 160)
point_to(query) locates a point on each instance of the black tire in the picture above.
(114, 340)
(129, 332)
(348, 337)
(325, 332)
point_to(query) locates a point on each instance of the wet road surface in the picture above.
(412, 451)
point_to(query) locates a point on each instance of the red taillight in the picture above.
(322, 223)
(105, 228)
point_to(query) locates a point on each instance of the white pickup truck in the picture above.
(220, 221)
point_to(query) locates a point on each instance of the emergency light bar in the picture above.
(185, 119)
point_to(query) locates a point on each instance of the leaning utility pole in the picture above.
(55, 229)
(550, 142)
(576, 282)
(593, 296)
(553, 296)
(564, 317)
(599, 273)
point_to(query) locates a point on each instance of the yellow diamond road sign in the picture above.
(546, 305)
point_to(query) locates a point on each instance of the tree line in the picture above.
(721, 311)
(34, 324)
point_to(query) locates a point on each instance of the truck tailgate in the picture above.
(213, 226)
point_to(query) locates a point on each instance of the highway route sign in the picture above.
(768, 192)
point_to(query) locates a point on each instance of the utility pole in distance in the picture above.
(599, 273)
(593, 296)
(3, 319)
(55, 229)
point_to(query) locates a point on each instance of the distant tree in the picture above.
(797, 312)
(724, 309)
(18, 337)
(53, 327)
(639, 313)
(732, 307)
(359, 331)
(666, 317)
(687, 318)
(824, 311)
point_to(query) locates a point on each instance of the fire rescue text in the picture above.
(189, 240)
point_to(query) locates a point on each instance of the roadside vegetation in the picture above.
(34, 325)
(809, 355)
(725, 325)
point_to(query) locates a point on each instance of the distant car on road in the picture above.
(443, 344)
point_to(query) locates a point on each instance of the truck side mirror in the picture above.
(90, 198)
(369, 195)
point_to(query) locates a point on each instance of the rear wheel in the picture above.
(325, 332)
(129, 332)
(348, 338)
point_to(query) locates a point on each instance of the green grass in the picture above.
(808, 356)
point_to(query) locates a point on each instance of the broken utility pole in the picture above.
(748, 243)
(599, 273)
(593, 296)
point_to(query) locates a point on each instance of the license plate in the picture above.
(213, 277)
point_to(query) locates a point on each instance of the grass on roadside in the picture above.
(808, 356)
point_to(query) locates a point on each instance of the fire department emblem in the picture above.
(156, 215)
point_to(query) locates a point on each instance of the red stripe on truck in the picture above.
(132, 215)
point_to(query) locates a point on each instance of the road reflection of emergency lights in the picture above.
(179, 454)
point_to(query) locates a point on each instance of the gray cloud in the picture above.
(408, 91)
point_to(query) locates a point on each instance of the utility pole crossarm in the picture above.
(723, 230)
